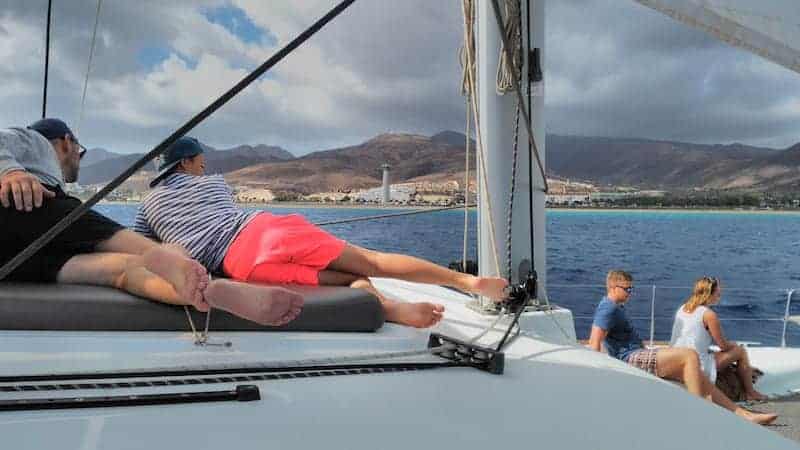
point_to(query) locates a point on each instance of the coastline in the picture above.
(549, 209)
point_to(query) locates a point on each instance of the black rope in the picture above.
(386, 216)
(514, 163)
(44, 239)
(530, 114)
(46, 61)
(509, 57)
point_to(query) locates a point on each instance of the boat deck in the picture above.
(788, 410)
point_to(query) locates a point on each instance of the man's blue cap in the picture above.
(52, 128)
(184, 147)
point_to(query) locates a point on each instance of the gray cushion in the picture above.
(29, 306)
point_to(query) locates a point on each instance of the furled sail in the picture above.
(769, 28)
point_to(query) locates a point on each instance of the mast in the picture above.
(497, 115)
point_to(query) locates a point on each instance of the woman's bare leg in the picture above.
(368, 263)
(738, 354)
(419, 315)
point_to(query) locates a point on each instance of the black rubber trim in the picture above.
(245, 393)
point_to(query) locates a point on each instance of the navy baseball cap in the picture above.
(185, 147)
(52, 128)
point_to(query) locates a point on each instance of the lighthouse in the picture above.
(387, 187)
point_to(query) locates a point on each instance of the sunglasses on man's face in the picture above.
(628, 289)
(81, 149)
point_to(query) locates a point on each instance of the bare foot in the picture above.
(419, 315)
(266, 305)
(187, 276)
(492, 287)
(755, 396)
(757, 417)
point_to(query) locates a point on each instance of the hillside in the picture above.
(640, 163)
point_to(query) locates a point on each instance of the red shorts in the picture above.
(281, 250)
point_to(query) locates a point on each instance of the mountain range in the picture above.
(642, 163)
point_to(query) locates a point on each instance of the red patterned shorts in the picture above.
(645, 359)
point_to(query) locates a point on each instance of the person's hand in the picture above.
(24, 188)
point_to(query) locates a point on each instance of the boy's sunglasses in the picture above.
(626, 289)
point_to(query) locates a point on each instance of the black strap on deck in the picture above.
(243, 393)
(48, 236)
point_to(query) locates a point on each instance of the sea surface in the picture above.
(755, 254)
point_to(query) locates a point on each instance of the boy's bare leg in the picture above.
(122, 271)
(266, 305)
(419, 315)
(683, 365)
(368, 263)
(738, 354)
(722, 400)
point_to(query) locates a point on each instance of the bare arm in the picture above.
(711, 321)
(596, 338)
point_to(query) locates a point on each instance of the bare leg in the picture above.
(187, 275)
(127, 241)
(122, 271)
(683, 365)
(419, 315)
(738, 354)
(722, 400)
(261, 304)
(368, 263)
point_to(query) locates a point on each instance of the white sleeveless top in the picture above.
(688, 331)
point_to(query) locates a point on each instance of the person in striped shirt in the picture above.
(198, 212)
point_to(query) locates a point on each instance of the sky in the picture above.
(612, 68)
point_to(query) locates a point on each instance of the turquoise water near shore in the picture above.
(756, 255)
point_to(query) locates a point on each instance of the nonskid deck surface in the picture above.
(550, 384)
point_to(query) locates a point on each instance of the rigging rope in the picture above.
(510, 61)
(470, 76)
(46, 60)
(386, 216)
(513, 33)
(516, 17)
(468, 9)
(89, 66)
(48, 236)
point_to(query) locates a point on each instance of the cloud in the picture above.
(612, 69)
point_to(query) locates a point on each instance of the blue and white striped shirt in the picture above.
(196, 212)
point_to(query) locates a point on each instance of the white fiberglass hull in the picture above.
(553, 394)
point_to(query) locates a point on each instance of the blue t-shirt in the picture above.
(622, 339)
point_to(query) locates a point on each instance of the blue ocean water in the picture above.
(754, 254)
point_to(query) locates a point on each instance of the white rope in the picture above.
(512, 31)
(89, 66)
(469, 43)
(469, 53)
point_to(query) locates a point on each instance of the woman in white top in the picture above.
(697, 326)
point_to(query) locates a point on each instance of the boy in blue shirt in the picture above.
(612, 328)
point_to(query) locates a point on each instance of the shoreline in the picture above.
(549, 209)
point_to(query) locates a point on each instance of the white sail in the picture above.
(769, 28)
